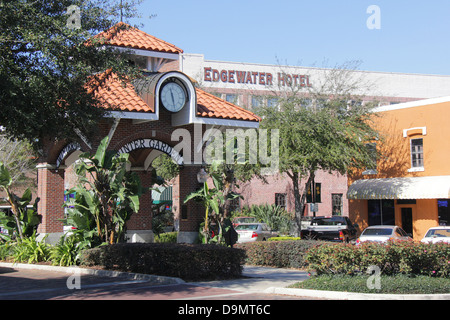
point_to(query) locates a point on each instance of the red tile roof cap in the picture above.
(211, 106)
(124, 35)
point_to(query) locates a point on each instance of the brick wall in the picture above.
(51, 194)
(51, 183)
(257, 192)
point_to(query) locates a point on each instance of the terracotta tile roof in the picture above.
(114, 93)
(210, 106)
(124, 35)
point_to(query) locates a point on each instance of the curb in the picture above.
(339, 295)
(160, 280)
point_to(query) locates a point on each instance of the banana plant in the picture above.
(111, 197)
(24, 220)
(213, 200)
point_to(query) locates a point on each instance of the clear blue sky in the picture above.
(414, 36)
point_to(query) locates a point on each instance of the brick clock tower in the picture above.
(162, 113)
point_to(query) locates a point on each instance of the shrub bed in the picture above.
(186, 261)
(168, 237)
(281, 254)
(393, 258)
(398, 284)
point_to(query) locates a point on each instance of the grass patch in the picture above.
(399, 284)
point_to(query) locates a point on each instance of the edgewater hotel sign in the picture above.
(255, 77)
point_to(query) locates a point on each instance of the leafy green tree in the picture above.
(106, 194)
(165, 167)
(325, 128)
(20, 159)
(45, 62)
(214, 200)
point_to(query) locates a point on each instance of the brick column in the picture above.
(192, 213)
(139, 227)
(51, 194)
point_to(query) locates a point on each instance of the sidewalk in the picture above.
(259, 279)
(275, 281)
(255, 280)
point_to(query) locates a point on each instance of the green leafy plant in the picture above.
(67, 251)
(274, 216)
(30, 250)
(168, 237)
(395, 257)
(106, 195)
(24, 220)
(214, 200)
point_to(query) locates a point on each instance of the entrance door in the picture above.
(407, 220)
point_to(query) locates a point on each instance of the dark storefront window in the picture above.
(336, 202)
(381, 212)
(444, 212)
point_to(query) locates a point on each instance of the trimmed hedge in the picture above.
(168, 237)
(187, 261)
(398, 257)
(281, 254)
(284, 238)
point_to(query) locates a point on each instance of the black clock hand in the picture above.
(173, 100)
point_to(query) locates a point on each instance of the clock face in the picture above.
(173, 97)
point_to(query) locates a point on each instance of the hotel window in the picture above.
(272, 102)
(417, 153)
(232, 98)
(336, 202)
(280, 200)
(257, 101)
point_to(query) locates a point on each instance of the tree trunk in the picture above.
(300, 198)
(228, 187)
(298, 204)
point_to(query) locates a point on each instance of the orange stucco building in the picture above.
(410, 185)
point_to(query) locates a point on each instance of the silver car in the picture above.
(382, 234)
(250, 232)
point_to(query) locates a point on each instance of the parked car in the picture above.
(239, 220)
(250, 232)
(437, 234)
(382, 234)
(334, 228)
(68, 230)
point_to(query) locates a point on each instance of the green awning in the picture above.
(164, 196)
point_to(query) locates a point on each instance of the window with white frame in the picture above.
(417, 153)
